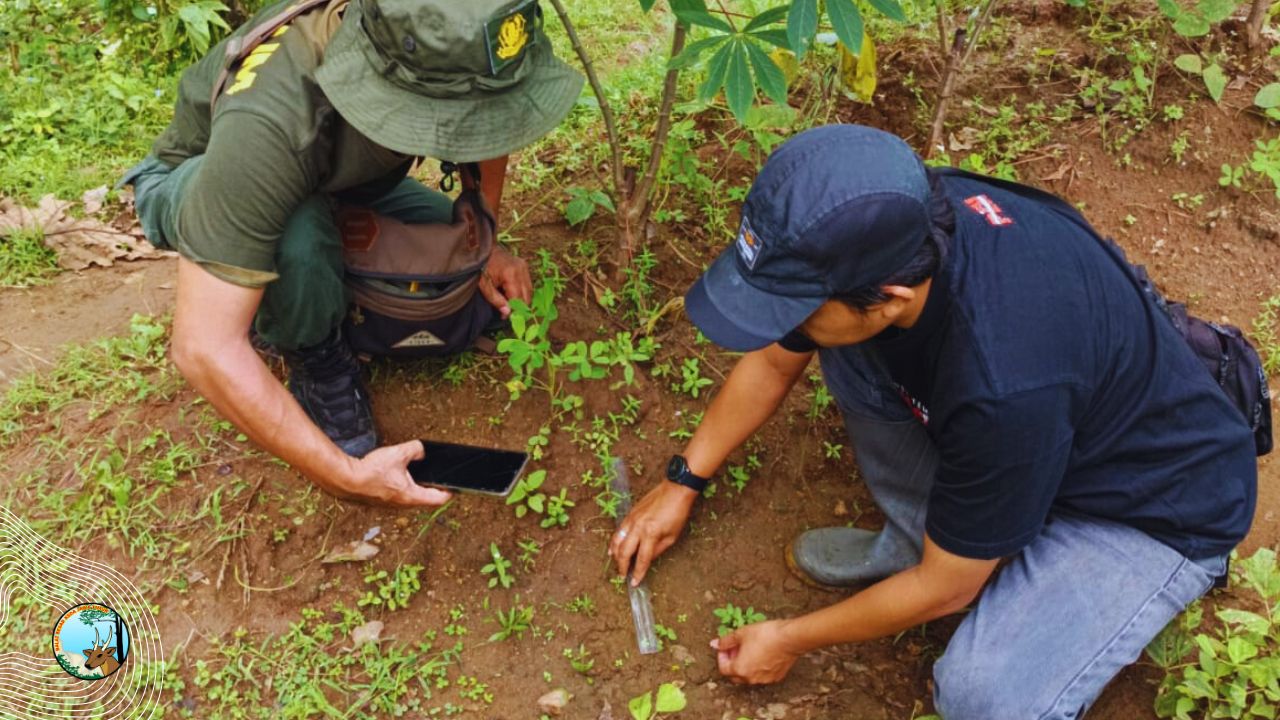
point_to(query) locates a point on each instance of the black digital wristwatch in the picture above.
(679, 473)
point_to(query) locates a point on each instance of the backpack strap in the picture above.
(238, 48)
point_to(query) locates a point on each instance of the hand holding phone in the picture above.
(468, 468)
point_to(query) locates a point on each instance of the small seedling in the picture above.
(691, 380)
(557, 510)
(732, 617)
(393, 591)
(529, 549)
(580, 659)
(670, 699)
(526, 497)
(512, 622)
(498, 568)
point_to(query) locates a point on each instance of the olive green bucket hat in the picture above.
(454, 80)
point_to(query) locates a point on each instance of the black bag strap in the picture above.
(238, 48)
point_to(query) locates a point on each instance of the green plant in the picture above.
(25, 260)
(691, 380)
(1266, 333)
(1196, 20)
(1264, 163)
(557, 510)
(393, 591)
(582, 604)
(514, 621)
(580, 659)
(1215, 80)
(526, 497)
(732, 617)
(583, 203)
(529, 549)
(537, 444)
(670, 699)
(1236, 670)
(498, 568)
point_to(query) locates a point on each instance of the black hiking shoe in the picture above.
(325, 379)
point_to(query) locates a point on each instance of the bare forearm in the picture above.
(897, 603)
(237, 383)
(753, 392)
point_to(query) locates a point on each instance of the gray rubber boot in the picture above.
(844, 557)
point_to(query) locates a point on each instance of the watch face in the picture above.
(675, 468)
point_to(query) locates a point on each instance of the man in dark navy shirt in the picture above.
(1010, 392)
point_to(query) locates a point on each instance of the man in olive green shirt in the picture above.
(333, 105)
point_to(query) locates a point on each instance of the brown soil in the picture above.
(1223, 255)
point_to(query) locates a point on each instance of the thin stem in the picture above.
(615, 149)
(977, 30)
(728, 16)
(944, 97)
(1257, 18)
(640, 196)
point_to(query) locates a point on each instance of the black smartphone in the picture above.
(468, 468)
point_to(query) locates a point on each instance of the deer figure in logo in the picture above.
(101, 656)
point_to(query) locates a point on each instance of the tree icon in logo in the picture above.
(90, 641)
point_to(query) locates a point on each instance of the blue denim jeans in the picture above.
(1060, 619)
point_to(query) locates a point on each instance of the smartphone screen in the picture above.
(468, 468)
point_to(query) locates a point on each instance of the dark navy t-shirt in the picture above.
(1049, 382)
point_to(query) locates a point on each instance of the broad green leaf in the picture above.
(694, 12)
(846, 20)
(802, 23)
(670, 699)
(646, 5)
(890, 9)
(579, 210)
(1215, 81)
(768, 75)
(1251, 622)
(694, 50)
(1170, 9)
(1268, 96)
(768, 17)
(774, 36)
(1240, 650)
(1191, 24)
(766, 116)
(1215, 11)
(1170, 646)
(1189, 63)
(641, 706)
(739, 90)
(717, 68)
(599, 198)
(536, 503)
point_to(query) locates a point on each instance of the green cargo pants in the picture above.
(309, 299)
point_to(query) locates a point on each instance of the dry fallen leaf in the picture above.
(78, 242)
(355, 551)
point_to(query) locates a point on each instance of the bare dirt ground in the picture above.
(1223, 255)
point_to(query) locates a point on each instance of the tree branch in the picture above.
(1257, 18)
(944, 97)
(640, 195)
(610, 128)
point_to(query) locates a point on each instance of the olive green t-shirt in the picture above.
(273, 140)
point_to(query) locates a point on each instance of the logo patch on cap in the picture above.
(510, 35)
(749, 244)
